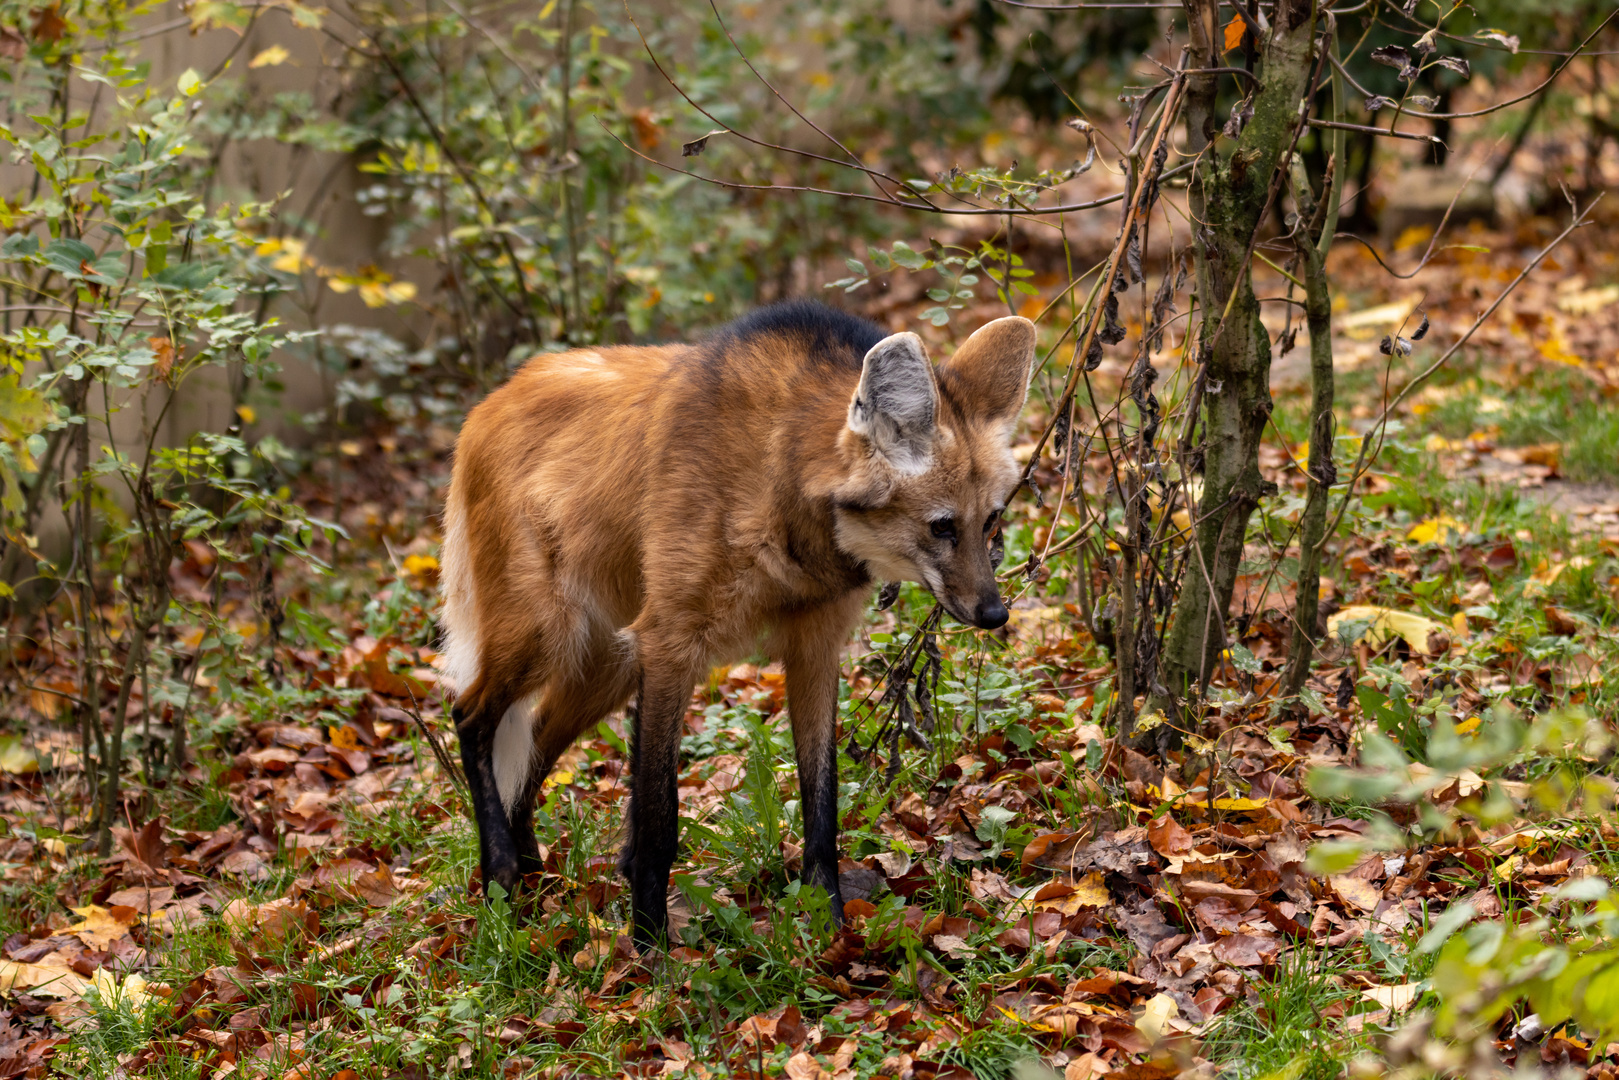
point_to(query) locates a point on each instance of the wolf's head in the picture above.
(932, 466)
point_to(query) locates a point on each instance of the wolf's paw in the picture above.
(506, 874)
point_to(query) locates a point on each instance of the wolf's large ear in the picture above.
(988, 377)
(896, 401)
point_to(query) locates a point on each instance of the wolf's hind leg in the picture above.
(477, 718)
(568, 708)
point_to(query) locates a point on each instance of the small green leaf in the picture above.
(908, 257)
(1334, 856)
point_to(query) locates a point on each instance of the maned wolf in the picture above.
(620, 519)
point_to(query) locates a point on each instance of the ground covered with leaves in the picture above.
(1024, 894)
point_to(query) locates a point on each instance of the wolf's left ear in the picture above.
(894, 406)
(988, 377)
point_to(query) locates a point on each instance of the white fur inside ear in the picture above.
(894, 407)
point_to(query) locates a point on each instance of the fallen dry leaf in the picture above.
(50, 978)
(100, 926)
(1394, 998)
(1357, 891)
(801, 1066)
(1421, 633)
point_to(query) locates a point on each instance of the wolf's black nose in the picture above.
(991, 614)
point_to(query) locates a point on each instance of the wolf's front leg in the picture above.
(812, 702)
(654, 799)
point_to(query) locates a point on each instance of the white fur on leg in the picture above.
(513, 752)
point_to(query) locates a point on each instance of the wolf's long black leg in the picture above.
(497, 853)
(521, 822)
(812, 703)
(654, 825)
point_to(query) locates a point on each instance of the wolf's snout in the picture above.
(990, 613)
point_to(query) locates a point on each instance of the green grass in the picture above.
(1561, 406)
(1285, 1025)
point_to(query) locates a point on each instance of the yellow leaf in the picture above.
(1556, 349)
(270, 57)
(344, 737)
(1469, 725)
(1369, 322)
(1240, 805)
(1091, 891)
(49, 978)
(132, 991)
(292, 255)
(1546, 574)
(1233, 33)
(1149, 721)
(246, 413)
(1437, 530)
(15, 757)
(1155, 1017)
(1393, 997)
(1589, 301)
(420, 565)
(1412, 236)
(1417, 630)
(100, 927)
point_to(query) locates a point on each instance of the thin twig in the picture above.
(440, 752)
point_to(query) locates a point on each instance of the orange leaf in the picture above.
(48, 24)
(163, 352)
(1233, 33)
(1168, 838)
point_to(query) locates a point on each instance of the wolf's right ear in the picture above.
(896, 402)
(989, 375)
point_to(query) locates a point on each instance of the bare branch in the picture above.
(1567, 60)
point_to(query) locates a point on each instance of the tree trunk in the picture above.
(1322, 472)
(1231, 194)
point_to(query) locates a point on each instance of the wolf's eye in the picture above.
(945, 528)
(991, 521)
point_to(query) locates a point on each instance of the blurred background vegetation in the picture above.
(254, 254)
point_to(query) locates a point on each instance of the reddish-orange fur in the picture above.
(620, 519)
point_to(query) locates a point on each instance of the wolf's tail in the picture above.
(513, 748)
